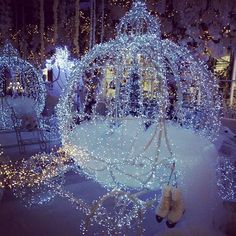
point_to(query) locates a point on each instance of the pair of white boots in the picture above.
(171, 206)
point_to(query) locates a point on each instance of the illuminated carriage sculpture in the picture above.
(21, 87)
(119, 139)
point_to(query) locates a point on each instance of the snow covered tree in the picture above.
(207, 27)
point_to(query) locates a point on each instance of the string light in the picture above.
(225, 172)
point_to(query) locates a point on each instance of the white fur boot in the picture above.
(164, 206)
(177, 208)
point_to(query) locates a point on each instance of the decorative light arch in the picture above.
(19, 79)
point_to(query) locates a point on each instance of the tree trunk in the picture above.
(77, 22)
(233, 84)
(92, 36)
(55, 8)
(102, 22)
(41, 15)
(94, 22)
(91, 25)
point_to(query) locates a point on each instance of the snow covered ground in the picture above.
(128, 154)
(24, 107)
(205, 213)
(21, 105)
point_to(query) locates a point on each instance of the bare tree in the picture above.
(55, 15)
(42, 23)
(77, 23)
